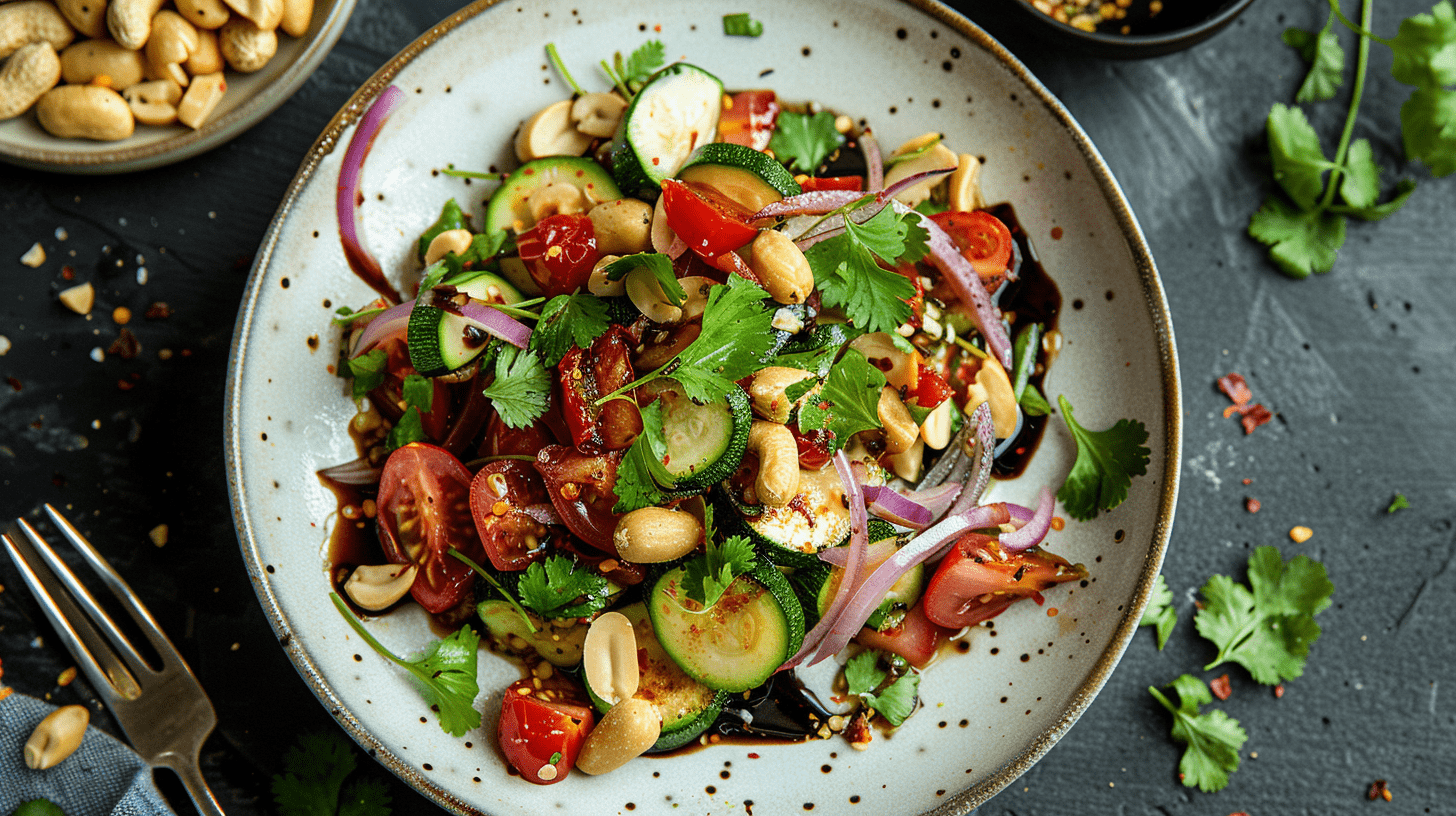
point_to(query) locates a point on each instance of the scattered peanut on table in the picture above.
(95, 70)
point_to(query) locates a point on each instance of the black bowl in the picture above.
(1180, 24)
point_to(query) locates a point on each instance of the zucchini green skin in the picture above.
(741, 173)
(508, 208)
(644, 155)
(440, 341)
(704, 643)
(694, 473)
(784, 535)
(502, 621)
(687, 706)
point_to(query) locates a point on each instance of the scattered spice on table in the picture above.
(1252, 504)
(1300, 534)
(1251, 414)
(126, 345)
(1220, 686)
(1379, 790)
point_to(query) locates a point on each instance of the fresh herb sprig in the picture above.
(848, 272)
(1267, 629)
(1160, 613)
(521, 391)
(561, 588)
(566, 321)
(708, 576)
(804, 140)
(1213, 737)
(895, 702)
(1105, 464)
(847, 403)
(630, 74)
(312, 782)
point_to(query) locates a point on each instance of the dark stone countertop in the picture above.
(1358, 365)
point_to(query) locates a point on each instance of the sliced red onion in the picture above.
(874, 162)
(874, 555)
(938, 500)
(390, 323)
(817, 235)
(676, 248)
(816, 202)
(858, 544)
(346, 201)
(982, 454)
(910, 181)
(497, 323)
(543, 513)
(357, 472)
(953, 265)
(897, 509)
(1036, 528)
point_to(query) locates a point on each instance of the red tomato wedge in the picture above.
(499, 494)
(853, 184)
(542, 729)
(424, 512)
(560, 252)
(981, 238)
(915, 639)
(977, 581)
(581, 488)
(707, 221)
(588, 375)
(930, 390)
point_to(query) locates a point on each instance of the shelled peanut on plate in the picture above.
(94, 69)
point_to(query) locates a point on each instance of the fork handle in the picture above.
(191, 775)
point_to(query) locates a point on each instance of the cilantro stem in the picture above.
(368, 638)
(1350, 24)
(1362, 63)
(490, 579)
(969, 346)
(470, 174)
(617, 81)
(561, 68)
(1158, 695)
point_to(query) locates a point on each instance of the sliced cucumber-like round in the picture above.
(704, 442)
(745, 175)
(560, 646)
(792, 536)
(441, 341)
(738, 643)
(509, 207)
(675, 113)
(485, 286)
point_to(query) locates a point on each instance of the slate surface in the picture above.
(1358, 366)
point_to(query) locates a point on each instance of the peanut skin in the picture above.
(31, 71)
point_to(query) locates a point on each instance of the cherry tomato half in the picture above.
(930, 390)
(581, 488)
(499, 494)
(542, 729)
(915, 639)
(748, 118)
(560, 252)
(976, 567)
(981, 238)
(852, 183)
(587, 376)
(391, 391)
(708, 222)
(424, 512)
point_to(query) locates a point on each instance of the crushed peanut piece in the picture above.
(121, 315)
(1300, 534)
(35, 256)
(67, 675)
(78, 299)
(158, 535)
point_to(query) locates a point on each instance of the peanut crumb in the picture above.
(1300, 534)
(158, 535)
(35, 256)
(78, 299)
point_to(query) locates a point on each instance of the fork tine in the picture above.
(121, 589)
(103, 668)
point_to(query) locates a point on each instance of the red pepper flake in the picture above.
(1240, 813)
(14, 384)
(1278, 691)
(126, 345)
(1378, 790)
(1236, 389)
(753, 755)
(158, 311)
(68, 273)
(1248, 482)
(1252, 504)
(123, 385)
(1220, 687)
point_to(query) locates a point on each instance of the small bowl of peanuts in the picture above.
(1131, 29)
(113, 86)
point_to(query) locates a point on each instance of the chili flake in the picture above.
(1220, 687)
(1378, 790)
(1236, 389)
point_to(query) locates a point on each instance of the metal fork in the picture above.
(166, 715)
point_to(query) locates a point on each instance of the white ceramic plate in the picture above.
(248, 99)
(907, 68)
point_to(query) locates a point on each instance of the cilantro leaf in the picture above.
(446, 672)
(1403, 190)
(409, 428)
(418, 392)
(1299, 162)
(1106, 462)
(848, 274)
(802, 140)
(1360, 185)
(367, 371)
(863, 675)
(1425, 48)
(566, 321)
(655, 262)
(560, 588)
(314, 771)
(1270, 629)
(1213, 738)
(521, 391)
(1300, 242)
(736, 339)
(1033, 403)
(1428, 128)
(1400, 502)
(741, 25)
(708, 576)
(642, 476)
(849, 401)
(367, 797)
(1160, 613)
(641, 64)
(1326, 61)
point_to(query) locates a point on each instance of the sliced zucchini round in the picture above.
(440, 341)
(558, 645)
(509, 208)
(485, 286)
(792, 536)
(745, 175)
(675, 113)
(738, 643)
(705, 443)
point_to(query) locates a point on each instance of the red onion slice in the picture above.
(1036, 528)
(908, 182)
(676, 248)
(390, 323)
(874, 162)
(897, 509)
(346, 202)
(983, 454)
(497, 323)
(953, 265)
(816, 202)
(357, 472)
(874, 555)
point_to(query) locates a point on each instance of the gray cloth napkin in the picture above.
(104, 776)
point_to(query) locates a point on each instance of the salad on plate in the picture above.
(709, 394)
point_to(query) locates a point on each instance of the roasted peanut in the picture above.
(652, 535)
(130, 21)
(86, 60)
(155, 102)
(597, 114)
(625, 732)
(696, 288)
(938, 157)
(935, 430)
(207, 58)
(550, 133)
(781, 265)
(455, 240)
(661, 234)
(203, 95)
(31, 71)
(297, 15)
(173, 39)
(29, 22)
(557, 198)
(86, 16)
(909, 463)
(208, 14)
(900, 367)
(622, 226)
(993, 386)
(645, 292)
(900, 428)
(609, 658)
(778, 462)
(56, 737)
(85, 112)
(245, 46)
(379, 586)
(265, 14)
(965, 184)
(599, 285)
(766, 392)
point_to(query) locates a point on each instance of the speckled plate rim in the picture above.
(213, 133)
(1152, 291)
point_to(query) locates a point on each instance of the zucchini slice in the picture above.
(898, 599)
(705, 443)
(441, 341)
(509, 207)
(741, 173)
(738, 643)
(687, 706)
(559, 646)
(675, 113)
(792, 536)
